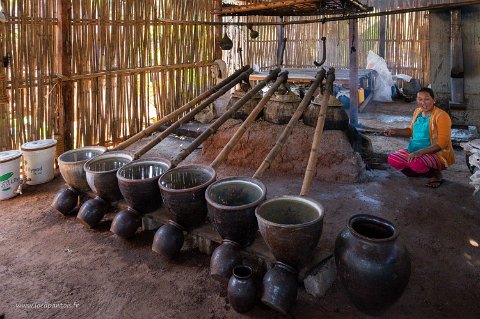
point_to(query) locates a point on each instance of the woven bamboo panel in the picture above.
(406, 47)
(29, 39)
(168, 63)
(137, 60)
(132, 61)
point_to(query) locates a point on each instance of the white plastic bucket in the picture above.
(38, 160)
(9, 173)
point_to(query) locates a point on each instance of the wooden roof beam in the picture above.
(265, 6)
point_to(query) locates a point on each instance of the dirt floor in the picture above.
(53, 267)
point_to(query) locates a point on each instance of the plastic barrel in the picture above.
(9, 173)
(38, 157)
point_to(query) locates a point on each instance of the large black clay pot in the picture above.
(138, 183)
(224, 258)
(183, 191)
(372, 264)
(291, 227)
(231, 208)
(280, 287)
(241, 290)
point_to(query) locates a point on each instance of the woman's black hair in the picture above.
(427, 90)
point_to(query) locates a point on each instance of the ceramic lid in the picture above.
(9, 155)
(38, 145)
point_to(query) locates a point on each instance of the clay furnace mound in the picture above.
(337, 160)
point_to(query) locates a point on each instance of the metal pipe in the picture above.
(456, 59)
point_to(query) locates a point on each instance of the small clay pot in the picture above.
(224, 258)
(92, 211)
(241, 290)
(226, 43)
(280, 287)
(126, 223)
(168, 240)
(66, 200)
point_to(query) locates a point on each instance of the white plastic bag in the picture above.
(384, 81)
(474, 160)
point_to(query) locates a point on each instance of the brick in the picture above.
(321, 277)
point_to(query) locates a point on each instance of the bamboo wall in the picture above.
(406, 47)
(131, 63)
(29, 39)
(136, 60)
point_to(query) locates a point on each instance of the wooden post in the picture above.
(281, 42)
(353, 81)
(64, 59)
(218, 30)
(382, 39)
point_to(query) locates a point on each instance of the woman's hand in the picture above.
(415, 155)
(390, 132)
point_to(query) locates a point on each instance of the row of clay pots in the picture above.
(290, 225)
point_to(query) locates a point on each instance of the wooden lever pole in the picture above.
(173, 115)
(317, 137)
(214, 127)
(192, 113)
(288, 129)
(249, 120)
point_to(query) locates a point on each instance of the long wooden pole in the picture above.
(162, 21)
(173, 115)
(243, 76)
(288, 129)
(280, 42)
(382, 36)
(273, 5)
(282, 78)
(353, 71)
(64, 59)
(218, 30)
(430, 7)
(214, 127)
(317, 137)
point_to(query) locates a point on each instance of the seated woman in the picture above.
(430, 149)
